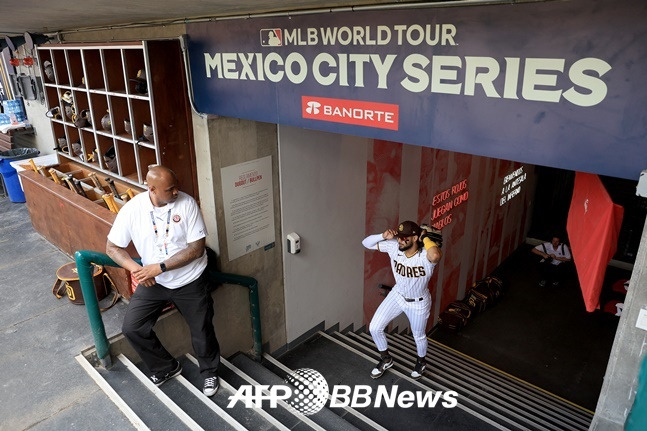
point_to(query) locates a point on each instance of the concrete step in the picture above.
(150, 406)
(326, 419)
(487, 398)
(443, 359)
(250, 419)
(342, 364)
(349, 414)
(282, 415)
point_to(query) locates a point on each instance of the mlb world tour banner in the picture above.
(557, 83)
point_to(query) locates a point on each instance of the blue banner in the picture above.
(557, 84)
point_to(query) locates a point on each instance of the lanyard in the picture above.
(168, 225)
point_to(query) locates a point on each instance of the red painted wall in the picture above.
(479, 232)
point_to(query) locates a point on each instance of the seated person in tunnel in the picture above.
(554, 254)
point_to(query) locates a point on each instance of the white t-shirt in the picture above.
(560, 252)
(411, 274)
(145, 225)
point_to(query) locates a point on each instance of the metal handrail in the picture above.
(84, 260)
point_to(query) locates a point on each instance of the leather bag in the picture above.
(68, 283)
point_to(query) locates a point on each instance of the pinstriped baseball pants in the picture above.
(393, 305)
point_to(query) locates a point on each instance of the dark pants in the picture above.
(552, 273)
(194, 302)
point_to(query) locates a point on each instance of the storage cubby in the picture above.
(108, 70)
(119, 113)
(60, 68)
(89, 145)
(128, 165)
(147, 157)
(141, 115)
(104, 144)
(76, 68)
(99, 109)
(58, 130)
(93, 70)
(134, 62)
(113, 66)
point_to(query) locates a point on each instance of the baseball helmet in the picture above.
(67, 98)
(49, 71)
(82, 119)
(148, 132)
(141, 86)
(106, 123)
(69, 111)
(54, 113)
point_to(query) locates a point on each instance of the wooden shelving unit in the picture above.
(100, 79)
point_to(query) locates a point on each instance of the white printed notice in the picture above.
(248, 200)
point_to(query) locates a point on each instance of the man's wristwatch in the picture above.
(163, 267)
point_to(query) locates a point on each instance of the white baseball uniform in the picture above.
(410, 295)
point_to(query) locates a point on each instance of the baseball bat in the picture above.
(130, 193)
(95, 180)
(110, 201)
(70, 184)
(33, 165)
(79, 188)
(54, 175)
(111, 183)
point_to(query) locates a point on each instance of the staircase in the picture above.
(487, 399)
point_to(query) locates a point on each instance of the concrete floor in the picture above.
(543, 335)
(42, 385)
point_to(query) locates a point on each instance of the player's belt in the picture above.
(413, 299)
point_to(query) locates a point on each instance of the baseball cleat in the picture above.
(418, 369)
(381, 367)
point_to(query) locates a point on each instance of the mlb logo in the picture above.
(271, 37)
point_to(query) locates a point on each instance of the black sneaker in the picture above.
(381, 367)
(542, 283)
(211, 386)
(418, 369)
(160, 378)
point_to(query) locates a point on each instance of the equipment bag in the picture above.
(455, 317)
(68, 283)
(477, 300)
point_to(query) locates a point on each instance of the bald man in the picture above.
(166, 227)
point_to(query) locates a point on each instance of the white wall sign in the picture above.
(248, 198)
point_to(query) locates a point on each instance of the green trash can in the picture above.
(9, 174)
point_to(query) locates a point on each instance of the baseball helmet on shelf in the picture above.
(82, 119)
(148, 132)
(54, 113)
(49, 70)
(67, 98)
(141, 85)
(69, 111)
(106, 123)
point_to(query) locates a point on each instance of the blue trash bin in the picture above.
(9, 174)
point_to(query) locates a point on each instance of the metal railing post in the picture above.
(84, 260)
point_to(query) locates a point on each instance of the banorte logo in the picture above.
(355, 112)
(310, 393)
(313, 107)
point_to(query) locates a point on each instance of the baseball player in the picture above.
(414, 255)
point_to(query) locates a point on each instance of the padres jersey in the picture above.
(411, 274)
